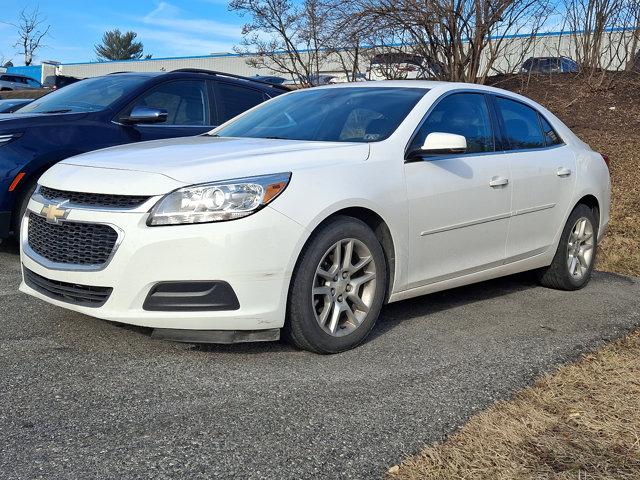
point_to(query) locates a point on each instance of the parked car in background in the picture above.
(403, 66)
(270, 79)
(321, 79)
(55, 82)
(309, 212)
(550, 65)
(13, 81)
(13, 104)
(105, 111)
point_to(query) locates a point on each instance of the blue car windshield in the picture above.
(90, 95)
(359, 114)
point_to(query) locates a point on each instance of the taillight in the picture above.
(605, 158)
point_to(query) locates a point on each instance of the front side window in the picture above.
(465, 114)
(186, 102)
(358, 114)
(521, 125)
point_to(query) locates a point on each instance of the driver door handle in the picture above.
(563, 172)
(498, 182)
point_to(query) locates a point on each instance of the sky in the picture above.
(166, 28)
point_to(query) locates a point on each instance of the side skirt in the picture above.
(530, 263)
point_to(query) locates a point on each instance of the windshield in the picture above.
(367, 114)
(88, 95)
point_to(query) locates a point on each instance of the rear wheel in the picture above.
(337, 289)
(574, 260)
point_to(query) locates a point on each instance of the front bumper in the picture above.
(254, 255)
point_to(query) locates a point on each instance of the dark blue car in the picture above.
(112, 110)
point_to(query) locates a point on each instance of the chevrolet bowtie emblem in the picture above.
(53, 213)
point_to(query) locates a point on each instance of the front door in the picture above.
(459, 204)
(188, 111)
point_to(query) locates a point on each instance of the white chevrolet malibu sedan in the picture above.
(306, 214)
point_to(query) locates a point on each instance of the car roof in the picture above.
(16, 75)
(211, 73)
(426, 84)
(440, 86)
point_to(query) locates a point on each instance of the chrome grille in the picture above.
(85, 295)
(72, 243)
(93, 199)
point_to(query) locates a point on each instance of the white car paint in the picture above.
(449, 227)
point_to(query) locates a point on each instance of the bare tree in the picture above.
(31, 31)
(590, 22)
(283, 36)
(463, 37)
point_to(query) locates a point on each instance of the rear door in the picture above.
(187, 103)
(542, 175)
(233, 99)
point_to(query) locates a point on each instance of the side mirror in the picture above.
(141, 114)
(438, 143)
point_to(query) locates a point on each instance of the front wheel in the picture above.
(574, 260)
(23, 201)
(337, 289)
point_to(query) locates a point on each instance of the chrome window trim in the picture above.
(498, 127)
(67, 267)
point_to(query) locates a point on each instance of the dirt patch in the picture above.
(7, 94)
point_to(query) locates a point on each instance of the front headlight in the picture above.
(218, 201)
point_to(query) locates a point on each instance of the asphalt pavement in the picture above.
(84, 398)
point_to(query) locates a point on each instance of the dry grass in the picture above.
(581, 423)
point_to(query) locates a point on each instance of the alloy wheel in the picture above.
(344, 287)
(580, 248)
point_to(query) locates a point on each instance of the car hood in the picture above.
(11, 121)
(205, 158)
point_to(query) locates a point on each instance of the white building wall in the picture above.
(511, 58)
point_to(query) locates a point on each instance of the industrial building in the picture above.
(515, 50)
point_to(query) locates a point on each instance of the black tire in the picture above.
(557, 275)
(22, 208)
(302, 328)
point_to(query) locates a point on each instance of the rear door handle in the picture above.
(563, 172)
(498, 182)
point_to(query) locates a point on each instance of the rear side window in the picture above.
(550, 136)
(185, 101)
(521, 125)
(464, 114)
(232, 100)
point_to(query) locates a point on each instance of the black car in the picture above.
(112, 110)
(13, 104)
(550, 65)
